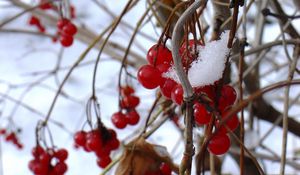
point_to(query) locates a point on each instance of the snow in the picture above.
(212, 57)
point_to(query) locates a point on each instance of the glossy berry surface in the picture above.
(165, 169)
(69, 29)
(159, 54)
(132, 117)
(167, 87)
(201, 115)
(66, 40)
(149, 76)
(119, 120)
(80, 138)
(177, 94)
(219, 144)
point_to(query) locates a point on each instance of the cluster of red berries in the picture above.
(101, 141)
(151, 76)
(11, 137)
(127, 114)
(164, 169)
(66, 31)
(44, 5)
(48, 161)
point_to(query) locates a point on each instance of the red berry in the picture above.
(60, 168)
(34, 21)
(93, 140)
(45, 158)
(165, 169)
(112, 133)
(149, 76)
(167, 87)
(132, 117)
(80, 138)
(126, 90)
(177, 94)
(103, 161)
(45, 6)
(113, 143)
(66, 40)
(228, 97)
(159, 54)
(201, 115)
(232, 123)
(119, 120)
(187, 52)
(72, 11)
(61, 154)
(37, 151)
(219, 144)
(61, 23)
(130, 101)
(103, 151)
(69, 29)
(208, 90)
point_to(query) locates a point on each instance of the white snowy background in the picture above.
(22, 54)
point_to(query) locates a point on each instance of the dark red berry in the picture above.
(201, 115)
(80, 138)
(61, 23)
(219, 144)
(119, 120)
(159, 54)
(103, 161)
(130, 101)
(149, 76)
(60, 168)
(66, 40)
(132, 117)
(126, 90)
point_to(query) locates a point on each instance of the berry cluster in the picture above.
(164, 169)
(11, 137)
(101, 141)
(65, 28)
(48, 161)
(151, 76)
(128, 103)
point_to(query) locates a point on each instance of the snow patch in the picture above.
(209, 65)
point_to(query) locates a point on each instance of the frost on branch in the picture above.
(209, 65)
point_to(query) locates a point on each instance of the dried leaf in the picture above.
(140, 156)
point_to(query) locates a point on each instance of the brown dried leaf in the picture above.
(140, 156)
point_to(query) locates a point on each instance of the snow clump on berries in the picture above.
(209, 65)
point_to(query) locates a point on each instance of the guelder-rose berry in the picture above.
(80, 138)
(149, 76)
(167, 87)
(159, 54)
(132, 117)
(219, 144)
(126, 90)
(61, 154)
(201, 115)
(66, 40)
(103, 161)
(177, 94)
(69, 29)
(130, 101)
(119, 120)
